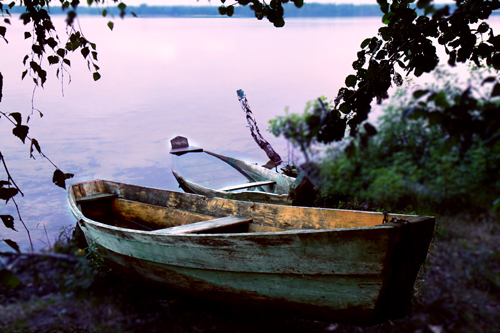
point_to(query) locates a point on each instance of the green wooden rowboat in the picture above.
(269, 186)
(338, 265)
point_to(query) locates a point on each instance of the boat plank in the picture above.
(97, 197)
(247, 185)
(211, 225)
(290, 217)
(165, 217)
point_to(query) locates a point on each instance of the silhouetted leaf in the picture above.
(230, 10)
(21, 131)
(27, 34)
(61, 52)
(7, 192)
(419, 93)
(370, 129)
(34, 143)
(489, 79)
(298, 3)
(37, 49)
(386, 19)
(96, 76)
(53, 59)
(17, 117)
(344, 108)
(8, 221)
(222, 10)
(351, 80)
(4, 183)
(1, 86)
(365, 43)
(483, 27)
(59, 178)
(12, 244)
(85, 52)
(8, 279)
(110, 25)
(279, 22)
(3, 30)
(496, 90)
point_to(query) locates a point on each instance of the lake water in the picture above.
(162, 78)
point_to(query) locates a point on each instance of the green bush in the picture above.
(410, 164)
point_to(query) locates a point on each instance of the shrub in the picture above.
(411, 163)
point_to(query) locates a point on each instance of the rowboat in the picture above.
(268, 186)
(330, 264)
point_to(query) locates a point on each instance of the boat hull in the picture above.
(278, 193)
(360, 276)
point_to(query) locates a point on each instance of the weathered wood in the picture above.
(257, 173)
(181, 146)
(211, 225)
(163, 217)
(254, 196)
(255, 132)
(247, 185)
(322, 263)
(268, 193)
(97, 197)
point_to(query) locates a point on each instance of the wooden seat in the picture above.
(97, 197)
(247, 185)
(205, 226)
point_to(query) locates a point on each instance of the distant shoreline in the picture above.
(309, 10)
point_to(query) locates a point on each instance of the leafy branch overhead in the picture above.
(273, 11)
(47, 49)
(46, 43)
(405, 45)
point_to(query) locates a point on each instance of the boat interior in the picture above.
(114, 211)
(98, 201)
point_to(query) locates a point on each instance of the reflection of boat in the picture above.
(270, 186)
(338, 265)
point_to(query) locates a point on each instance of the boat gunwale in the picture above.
(250, 166)
(177, 175)
(289, 232)
(283, 182)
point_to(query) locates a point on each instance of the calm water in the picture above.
(162, 78)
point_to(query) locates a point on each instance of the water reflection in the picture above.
(162, 78)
